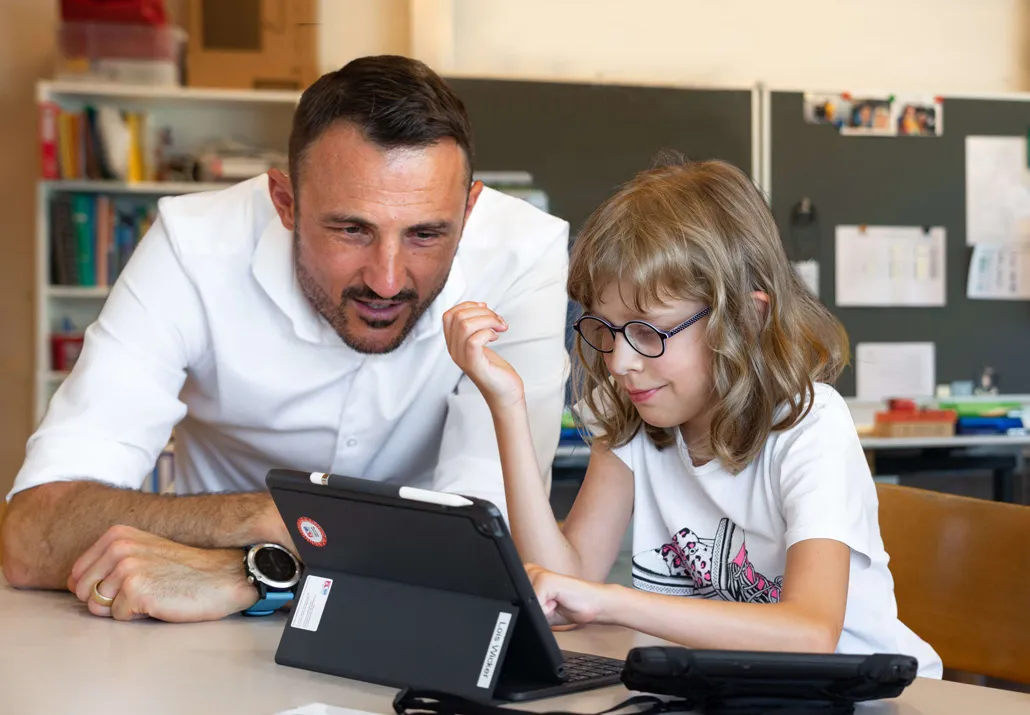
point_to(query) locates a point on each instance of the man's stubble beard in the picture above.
(336, 316)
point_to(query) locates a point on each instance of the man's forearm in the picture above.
(47, 528)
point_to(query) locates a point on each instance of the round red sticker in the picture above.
(311, 531)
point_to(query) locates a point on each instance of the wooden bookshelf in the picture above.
(195, 117)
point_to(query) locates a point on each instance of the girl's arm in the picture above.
(594, 530)
(808, 618)
(601, 513)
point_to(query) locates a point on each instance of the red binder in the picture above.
(140, 12)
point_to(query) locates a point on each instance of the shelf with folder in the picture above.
(155, 188)
(78, 292)
(98, 90)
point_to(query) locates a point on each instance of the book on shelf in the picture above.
(92, 236)
(99, 143)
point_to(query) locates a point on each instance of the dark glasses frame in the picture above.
(614, 329)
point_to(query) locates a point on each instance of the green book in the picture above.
(83, 216)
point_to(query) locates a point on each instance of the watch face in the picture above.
(275, 564)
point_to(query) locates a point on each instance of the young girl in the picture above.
(704, 366)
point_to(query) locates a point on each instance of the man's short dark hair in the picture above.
(395, 101)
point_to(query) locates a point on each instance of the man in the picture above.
(290, 322)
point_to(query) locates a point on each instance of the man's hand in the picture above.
(148, 576)
(47, 528)
(567, 600)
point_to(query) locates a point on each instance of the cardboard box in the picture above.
(252, 44)
(913, 422)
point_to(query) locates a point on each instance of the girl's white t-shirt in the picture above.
(706, 533)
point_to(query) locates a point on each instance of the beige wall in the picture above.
(880, 44)
(355, 28)
(26, 51)
(933, 45)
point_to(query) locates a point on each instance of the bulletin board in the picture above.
(900, 181)
(581, 141)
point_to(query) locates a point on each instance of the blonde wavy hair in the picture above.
(702, 231)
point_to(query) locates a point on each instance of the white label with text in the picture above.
(307, 614)
(493, 652)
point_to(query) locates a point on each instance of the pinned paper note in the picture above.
(997, 190)
(999, 272)
(890, 265)
(887, 370)
(808, 272)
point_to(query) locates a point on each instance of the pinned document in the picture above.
(887, 370)
(808, 272)
(999, 272)
(890, 265)
(997, 190)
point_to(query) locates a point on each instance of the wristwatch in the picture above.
(275, 572)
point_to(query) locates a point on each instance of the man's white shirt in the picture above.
(208, 331)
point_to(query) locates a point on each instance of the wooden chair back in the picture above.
(961, 571)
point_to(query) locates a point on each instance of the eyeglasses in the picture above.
(643, 337)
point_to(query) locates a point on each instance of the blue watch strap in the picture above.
(272, 602)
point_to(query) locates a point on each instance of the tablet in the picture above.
(407, 587)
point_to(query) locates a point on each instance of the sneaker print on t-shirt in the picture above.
(706, 568)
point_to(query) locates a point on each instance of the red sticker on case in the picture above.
(311, 531)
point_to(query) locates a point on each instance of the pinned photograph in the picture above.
(823, 108)
(865, 114)
(869, 115)
(919, 116)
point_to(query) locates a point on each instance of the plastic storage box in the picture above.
(120, 52)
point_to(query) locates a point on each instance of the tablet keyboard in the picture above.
(581, 666)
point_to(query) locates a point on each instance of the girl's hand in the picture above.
(468, 327)
(567, 600)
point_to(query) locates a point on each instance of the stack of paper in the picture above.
(998, 218)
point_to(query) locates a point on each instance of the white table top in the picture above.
(581, 452)
(960, 440)
(57, 658)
